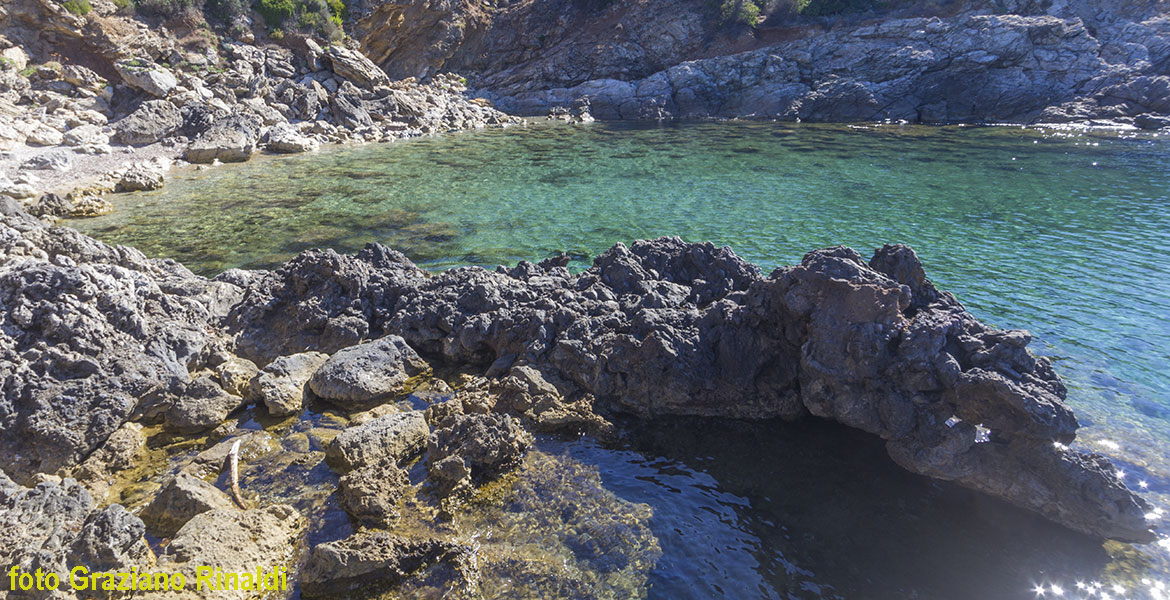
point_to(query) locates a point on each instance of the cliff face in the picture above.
(1020, 61)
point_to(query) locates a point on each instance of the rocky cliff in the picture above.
(1020, 61)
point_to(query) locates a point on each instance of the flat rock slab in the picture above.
(385, 440)
(368, 373)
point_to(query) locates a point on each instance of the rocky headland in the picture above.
(110, 358)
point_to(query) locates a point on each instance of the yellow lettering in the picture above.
(73, 578)
(203, 575)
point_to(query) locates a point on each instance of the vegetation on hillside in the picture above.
(749, 12)
(319, 17)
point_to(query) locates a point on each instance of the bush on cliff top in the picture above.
(77, 7)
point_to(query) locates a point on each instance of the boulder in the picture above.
(86, 135)
(198, 406)
(465, 450)
(235, 376)
(383, 441)
(151, 122)
(285, 139)
(233, 541)
(53, 160)
(86, 330)
(56, 526)
(355, 67)
(281, 385)
(229, 140)
(371, 494)
(83, 78)
(180, 499)
(147, 76)
(143, 176)
(368, 373)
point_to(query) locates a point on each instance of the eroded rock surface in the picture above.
(95, 336)
(385, 440)
(666, 327)
(367, 373)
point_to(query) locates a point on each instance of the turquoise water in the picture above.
(1059, 233)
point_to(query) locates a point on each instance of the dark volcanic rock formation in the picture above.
(667, 327)
(93, 336)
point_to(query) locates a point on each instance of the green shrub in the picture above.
(739, 12)
(228, 11)
(168, 8)
(125, 7)
(821, 8)
(275, 12)
(77, 7)
(338, 11)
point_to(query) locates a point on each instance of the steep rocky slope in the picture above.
(1018, 61)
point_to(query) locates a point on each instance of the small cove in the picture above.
(1057, 233)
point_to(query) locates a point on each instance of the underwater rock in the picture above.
(385, 440)
(374, 560)
(370, 494)
(281, 385)
(469, 449)
(180, 499)
(368, 373)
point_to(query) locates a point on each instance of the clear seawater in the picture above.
(1061, 233)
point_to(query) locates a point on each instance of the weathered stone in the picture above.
(374, 560)
(233, 540)
(229, 140)
(281, 385)
(367, 373)
(356, 67)
(78, 358)
(285, 139)
(147, 76)
(370, 494)
(86, 135)
(385, 440)
(151, 122)
(235, 376)
(468, 449)
(198, 406)
(143, 176)
(180, 499)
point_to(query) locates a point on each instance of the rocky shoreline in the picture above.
(71, 134)
(101, 345)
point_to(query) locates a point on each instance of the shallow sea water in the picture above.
(1060, 233)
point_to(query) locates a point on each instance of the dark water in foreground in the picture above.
(1064, 235)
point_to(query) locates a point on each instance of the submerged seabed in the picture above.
(1060, 233)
